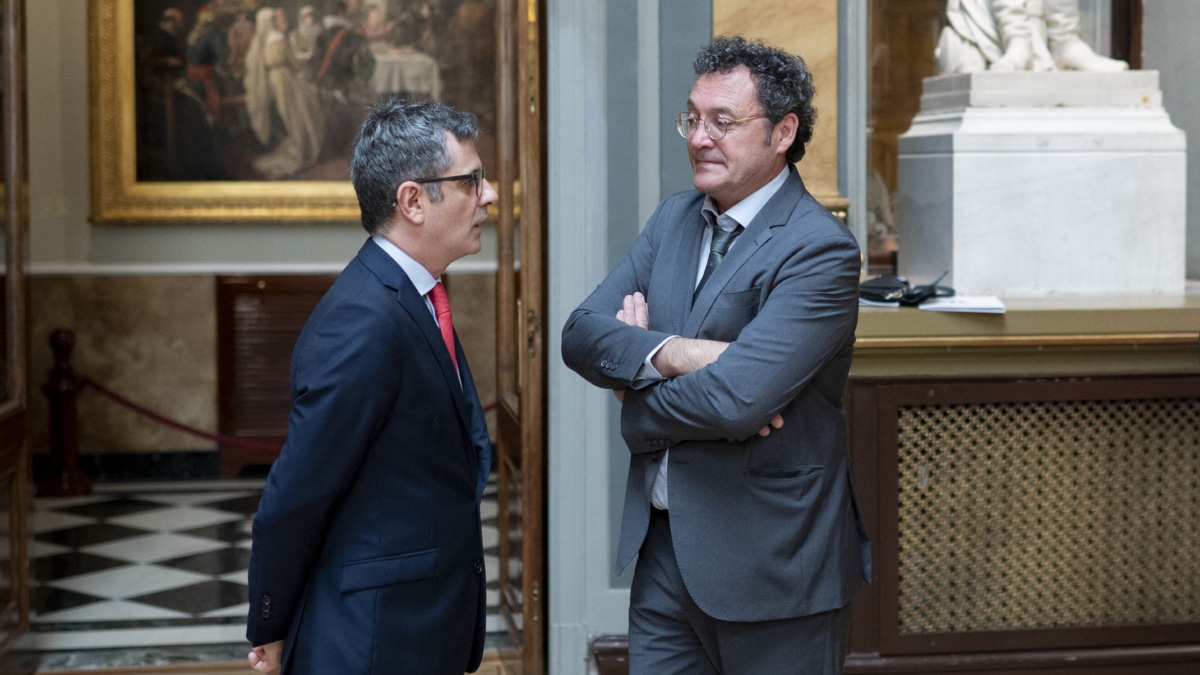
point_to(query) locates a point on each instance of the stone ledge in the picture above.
(1130, 89)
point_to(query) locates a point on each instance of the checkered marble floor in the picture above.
(139, 564)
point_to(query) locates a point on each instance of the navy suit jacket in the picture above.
(367, 554)
(763, 528)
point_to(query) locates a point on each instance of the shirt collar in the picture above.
(746, 210)
(421, 279)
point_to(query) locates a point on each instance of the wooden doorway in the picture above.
(520, 330)
(14, 451)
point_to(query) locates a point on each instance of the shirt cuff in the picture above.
(648, 374)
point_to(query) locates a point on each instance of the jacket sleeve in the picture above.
(603, 350)
(340, 402)
(806, 320)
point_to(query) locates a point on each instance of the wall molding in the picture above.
(58, 269)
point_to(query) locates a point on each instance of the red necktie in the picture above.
(441, 307)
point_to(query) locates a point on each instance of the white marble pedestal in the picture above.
(1036, 184)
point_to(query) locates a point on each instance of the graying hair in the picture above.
(402, 141)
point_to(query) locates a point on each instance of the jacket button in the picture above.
(478, 567)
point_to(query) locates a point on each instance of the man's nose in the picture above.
(699, 137)
(489, 195)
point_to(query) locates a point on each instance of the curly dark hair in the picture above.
(783, 83)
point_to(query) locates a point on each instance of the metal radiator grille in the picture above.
(1051, 514)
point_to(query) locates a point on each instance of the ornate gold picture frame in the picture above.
(227, 110)
(118, 195)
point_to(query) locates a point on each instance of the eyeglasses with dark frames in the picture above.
(716, 129)
(476, 178)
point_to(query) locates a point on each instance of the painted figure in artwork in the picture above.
(273, 78)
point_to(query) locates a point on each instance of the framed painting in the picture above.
(246, 110)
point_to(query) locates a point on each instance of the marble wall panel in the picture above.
(152, 339)
(808, 28)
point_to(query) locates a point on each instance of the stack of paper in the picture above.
(863, 302)
(985, 304)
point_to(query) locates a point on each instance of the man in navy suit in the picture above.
(368, 554)
(727, 332)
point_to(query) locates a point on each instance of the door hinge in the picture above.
(532, 326)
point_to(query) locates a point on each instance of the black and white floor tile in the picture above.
(149, 565)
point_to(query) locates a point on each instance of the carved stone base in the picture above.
(1035, 184)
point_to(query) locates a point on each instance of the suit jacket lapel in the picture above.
(477, 425)
(393, 276)
(685, 266)
(775, 213)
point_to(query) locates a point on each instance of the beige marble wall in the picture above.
(152, 339)
(808, 28)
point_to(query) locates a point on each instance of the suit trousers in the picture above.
(669, 633)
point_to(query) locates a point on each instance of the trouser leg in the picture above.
(662, 640)
(812, 645)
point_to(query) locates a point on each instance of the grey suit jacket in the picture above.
(763, 528)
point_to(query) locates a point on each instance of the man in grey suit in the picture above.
(727, 332)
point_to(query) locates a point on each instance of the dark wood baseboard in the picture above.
(141, 466)
(1153, 660)
(611, 654)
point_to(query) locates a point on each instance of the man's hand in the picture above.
(265, 658)
(678, 356)
(775, 423)
(635, 311)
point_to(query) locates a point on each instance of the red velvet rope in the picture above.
(179, 426)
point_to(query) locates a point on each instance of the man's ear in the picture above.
(412, 202)
(786, 128)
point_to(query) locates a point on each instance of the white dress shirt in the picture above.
(420, 277)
